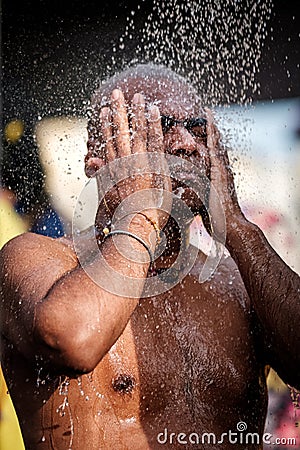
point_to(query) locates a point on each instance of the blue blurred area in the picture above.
(49, 224)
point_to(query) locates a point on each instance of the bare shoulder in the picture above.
(30, 264)
(29, 251)
(35, 262)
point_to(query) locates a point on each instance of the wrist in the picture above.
(134, 237)
(141, 226)
(238, 230)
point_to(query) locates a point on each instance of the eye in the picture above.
(197, 126)
(167, 122)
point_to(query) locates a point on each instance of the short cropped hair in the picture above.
(150, 80)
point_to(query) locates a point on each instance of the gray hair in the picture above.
(149, 79)
(142, 74)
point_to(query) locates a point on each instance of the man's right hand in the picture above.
(126, 133)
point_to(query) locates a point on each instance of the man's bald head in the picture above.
(159, 85)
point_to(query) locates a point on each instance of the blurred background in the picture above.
(54, 54)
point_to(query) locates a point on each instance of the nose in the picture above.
(178, 139)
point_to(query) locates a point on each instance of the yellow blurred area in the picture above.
(275, 382)
(11, 225)
(10, 434)
(14, 130)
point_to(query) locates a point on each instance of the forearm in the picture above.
(274, 289)
(78, 321)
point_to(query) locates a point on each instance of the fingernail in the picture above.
(138, 98)
(115, 94)
(154, 113)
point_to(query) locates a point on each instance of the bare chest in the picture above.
(183, 351)
(185, 361)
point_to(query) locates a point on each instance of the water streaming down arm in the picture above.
(273, 287)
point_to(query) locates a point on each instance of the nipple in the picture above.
(123, 383)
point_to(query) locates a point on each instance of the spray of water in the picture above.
(216, 44)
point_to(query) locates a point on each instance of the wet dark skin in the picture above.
(191, 360)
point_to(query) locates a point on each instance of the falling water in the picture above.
(216, 44)
(65, 407)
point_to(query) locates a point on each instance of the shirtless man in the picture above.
(90, 369)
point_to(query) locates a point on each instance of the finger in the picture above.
(217, 151)
(120, 122)
(156, 145)
(106, 131)
(109, 200)
(155, 134)
(213, 136)
(139, 126)
(94, 141)
(216, 148)
(94, 158)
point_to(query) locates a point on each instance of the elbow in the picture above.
(73, 354)
(67, 347)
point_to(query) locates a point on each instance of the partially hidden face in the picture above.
(182, 118)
